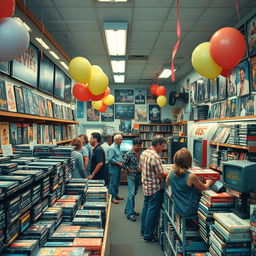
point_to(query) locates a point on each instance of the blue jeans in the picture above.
(150, 212)
(114, 181)
(133, 185)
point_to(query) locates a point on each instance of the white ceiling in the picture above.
(78, 26)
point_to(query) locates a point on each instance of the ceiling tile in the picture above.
(195, 3)
(223, 14)
(144, 36)
(45, 13)
(146, 26)
(88, 26)
(151, 14)
(153, 3)
(73, 3)
(77, 13)
(171, 26)
(115, 14)
(186, 14)
(37, 3)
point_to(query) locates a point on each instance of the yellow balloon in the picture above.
(96, 68)
(97, 104)
(79, 69)
(98, 82)
(109, 100)
(161, 100)
(203, 62)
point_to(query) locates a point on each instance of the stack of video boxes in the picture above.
(253, 227)
(230, 235)
(8, 168)
(52, 213)
(68, 251)
(2, 226)
(77, 187)
(42, 150)
(247, 135)
(96, 194)
(88, 218)
(210, 203)
(23, 150)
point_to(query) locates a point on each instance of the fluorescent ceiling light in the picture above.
(40, 40)
(118, 66)
(64, 65)
(54, 55)
(115, 1)
(119, 78)
(166, 73)
(116, 35)
(28, 28)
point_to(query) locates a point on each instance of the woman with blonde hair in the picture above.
(186, 186)
(78, 168)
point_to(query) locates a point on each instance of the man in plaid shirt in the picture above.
(152, 181)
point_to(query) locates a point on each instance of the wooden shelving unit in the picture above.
(249, 149)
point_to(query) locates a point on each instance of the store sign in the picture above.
(25, 66)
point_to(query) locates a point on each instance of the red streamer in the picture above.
(175, 49)
(237, 9)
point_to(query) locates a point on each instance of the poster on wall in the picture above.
(124, 111)
(25, 66)
(193, 93)
(10, 97)
(141, 113)
(251, 35)
(242, 31)
(206, 89)
(3, 98)
(59, 83)
(80, 109)
(46, 75)
(242, 78)
(213, 83)
(124, 96)
(67, 89)
(231, 84)
(19, 99)
(5, 67)
(150, 97)
(222, 89)
(154, 113)
(108, 115)
(200, 92)
(125, 126)
(253, 72)
(92, 114)
(139, 96)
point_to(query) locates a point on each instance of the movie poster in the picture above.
(10, 97)
(141, 113)
(3, 98)
(154, 113)
(108, 115)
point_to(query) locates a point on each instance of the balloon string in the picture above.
(237, 9)
(175, 49)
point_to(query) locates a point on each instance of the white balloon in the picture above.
(14, 39)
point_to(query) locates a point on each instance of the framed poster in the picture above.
(242, 106)
(200, 91)
(124, 111)
(222, 89)
(5, 138)
(80, 109)
(250, 105)
(59, 83)
(25, 66)
(126, 126)
(10, 97)
(3, 98)
(46, 75)
(253, 72)
(214, 89)
(108, 115)
(242, 31)
(35, 103)
(67, 90)
(5, 67)
(206, 89)
(19, 99)
(141, 113)
(92, 114)
(216, 111)
(154, 113)
(124, 96)
(231, 84)
(193, 93)
(150, 97)
(139, 96)
(242, 78)
(251, 35)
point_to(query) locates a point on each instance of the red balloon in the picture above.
(98, 97)
(227, 47)
(225, 72)
(107, 92)
(7, 8)
(161, 90)
(103, 108)
(153, 88)
(81, 92)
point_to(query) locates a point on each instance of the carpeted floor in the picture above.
(125, 234)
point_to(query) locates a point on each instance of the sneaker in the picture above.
(152, 240)
(131, 218)
(136, 213)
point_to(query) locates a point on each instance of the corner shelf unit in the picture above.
(249, 149)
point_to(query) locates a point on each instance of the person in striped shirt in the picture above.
(152, 177)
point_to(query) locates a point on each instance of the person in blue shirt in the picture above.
(115, 159)
(86, 144)
(78, 168)
(186, 186)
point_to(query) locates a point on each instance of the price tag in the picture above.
(7, 150)
(54, 142)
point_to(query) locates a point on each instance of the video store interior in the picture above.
(128, 127)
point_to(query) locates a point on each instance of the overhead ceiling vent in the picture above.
(137, 57)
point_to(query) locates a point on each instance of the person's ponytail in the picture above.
(182, 162)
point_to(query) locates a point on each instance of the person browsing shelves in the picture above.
(186, 187)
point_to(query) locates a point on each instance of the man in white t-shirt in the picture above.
(243, 85)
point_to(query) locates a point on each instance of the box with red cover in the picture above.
(206, 174)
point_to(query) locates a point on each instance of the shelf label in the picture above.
(54, 142)
(7, 150)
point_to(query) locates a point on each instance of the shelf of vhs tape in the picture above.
(233, 141)
(38, 194)
(180, 235)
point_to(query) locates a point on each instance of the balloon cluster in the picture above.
(219, 56)
(14, 35)
(159, 91)
(92, 84)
